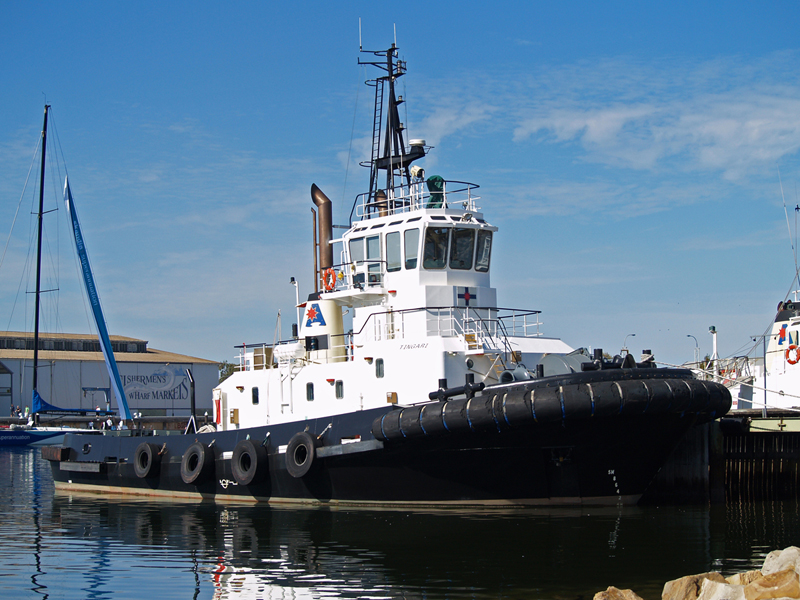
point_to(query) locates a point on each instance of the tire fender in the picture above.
(300, 454)
(146, 460)
(249, 462)
(197, 463)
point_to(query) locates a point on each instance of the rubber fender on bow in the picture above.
(409, 422)
(719, 399)
(430, 418)
(480, 414)
(578, 401)
(249, 462)
(608, 399)
(146, 460)
(702, 395)
(387, 427)
(660, 395)
(514, 408)
(301, 454)
(454, 415)
(197, 464)
(681, 395)
(547, 404)
(636, 397)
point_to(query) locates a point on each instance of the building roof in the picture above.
(66, 336)
(142, 354)
(151, 356)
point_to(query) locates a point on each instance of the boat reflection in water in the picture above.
(535, 553)
(92, 547)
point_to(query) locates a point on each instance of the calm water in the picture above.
(78, 547)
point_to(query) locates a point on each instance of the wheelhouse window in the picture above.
(255, 395)
(310, 391)
(357, 259)
(462, 248)
(393, 252)
(435, 247)
(339, 389)
(374, 259)
(484, 251)
(412, 247)
(357, 251)
(379, 368)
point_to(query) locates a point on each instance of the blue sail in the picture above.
(38, 404)
(91, 291)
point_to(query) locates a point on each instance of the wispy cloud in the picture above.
(454, 116)
(682, 117)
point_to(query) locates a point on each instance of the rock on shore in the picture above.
(778, 578)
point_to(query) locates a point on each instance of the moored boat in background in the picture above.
(770, 382)
(33, 433)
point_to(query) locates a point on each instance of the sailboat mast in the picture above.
(39, 256)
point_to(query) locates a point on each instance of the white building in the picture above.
(72, 374)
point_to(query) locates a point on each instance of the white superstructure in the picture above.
(416, 281)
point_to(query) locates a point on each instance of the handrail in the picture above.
(516, 331)
(452, 321)
(518, 313)
(413, 197)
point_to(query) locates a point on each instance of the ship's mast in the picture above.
(391, 155)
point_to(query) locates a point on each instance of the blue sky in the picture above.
(629, 153)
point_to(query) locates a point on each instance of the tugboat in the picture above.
(435, 397)
(774, 386)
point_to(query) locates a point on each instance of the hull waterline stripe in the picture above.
(94, 490)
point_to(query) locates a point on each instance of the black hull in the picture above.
(606, 454)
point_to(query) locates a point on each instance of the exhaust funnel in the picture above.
(325, 210)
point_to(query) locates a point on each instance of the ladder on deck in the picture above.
(376, 135)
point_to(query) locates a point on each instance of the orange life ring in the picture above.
(792, 354)
(329, 279)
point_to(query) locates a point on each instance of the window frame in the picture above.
(441, 263)
(394, 252)
(458, 253)
(413, 261)
(479, 263)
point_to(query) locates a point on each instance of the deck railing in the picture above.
(416, 196)
(478, 328)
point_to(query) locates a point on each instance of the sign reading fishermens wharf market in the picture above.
(165, 383)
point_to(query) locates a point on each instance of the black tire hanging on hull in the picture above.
(249, 462)
(197, 464)
(300, 454)
(146, 461)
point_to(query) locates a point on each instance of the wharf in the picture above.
(744, 456)
(762, 455)
(167, 423)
